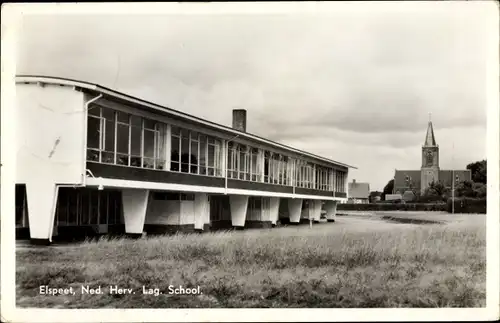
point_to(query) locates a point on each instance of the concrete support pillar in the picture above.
(42, 198)
(201, 211)
(238, 206)
(315, 206)
(331, 210)
(295, 210)
(135, 204)
(274, 209)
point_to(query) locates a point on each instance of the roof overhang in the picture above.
(98, 89)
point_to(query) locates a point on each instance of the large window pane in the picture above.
(93, 132)
(210, 161)
(175, 156)
(149, 149)
(185, 154)
(160, 147)
(194, 157)
(202, 157)
(122, 139)
(109, 142)
(149, 144)
(254, 162)
(109, 137)
(218, 158)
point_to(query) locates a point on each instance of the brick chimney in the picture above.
(240, 119)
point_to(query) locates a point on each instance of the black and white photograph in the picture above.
(308, 161)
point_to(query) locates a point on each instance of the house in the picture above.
(91, 160)
(358, 193)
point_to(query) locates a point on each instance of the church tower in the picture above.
(430, 159)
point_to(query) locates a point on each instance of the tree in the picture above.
(388, 189)
(464, 189)
(471, 189)
(372, 195)
(479, 190)
(478, 171)
(435, 192)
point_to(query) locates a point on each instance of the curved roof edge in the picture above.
(113, 93)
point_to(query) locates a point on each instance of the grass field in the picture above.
(359, 261)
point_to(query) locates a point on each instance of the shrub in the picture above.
(393, 207)
(467, 205)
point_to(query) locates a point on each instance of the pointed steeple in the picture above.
(430, 141)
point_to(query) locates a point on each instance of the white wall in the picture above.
(50, 133)
(163, 212)
(187, 212)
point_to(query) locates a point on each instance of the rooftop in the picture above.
(98, 89)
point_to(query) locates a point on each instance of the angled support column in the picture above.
(294, 210)
(316, 210)
(42, 201)
(201, 211)
(331, 210)
(238, 206)
(135, 204)
(274, 206)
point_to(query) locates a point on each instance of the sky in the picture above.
(354, 84)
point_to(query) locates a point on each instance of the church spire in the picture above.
(430, 141)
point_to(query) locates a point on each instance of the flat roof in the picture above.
(122, 96)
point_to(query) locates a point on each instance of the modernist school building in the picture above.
(91, 160)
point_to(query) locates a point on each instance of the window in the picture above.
(184, 149)
(108, 121)
(120, 138)
(214, 157)
(195, 153)
(150, 136)
(267, 167)
(175, 150)
(93, 138)
(202, 157)
(243, 163)
(87, 207)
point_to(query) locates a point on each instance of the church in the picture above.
(419, 180)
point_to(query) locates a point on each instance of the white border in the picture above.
(10, 25)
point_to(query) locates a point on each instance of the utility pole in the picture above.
(453, 179)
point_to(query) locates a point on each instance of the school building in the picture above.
(91, 160)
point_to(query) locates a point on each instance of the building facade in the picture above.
(419, 180)
(93, 160)
(359, 193)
